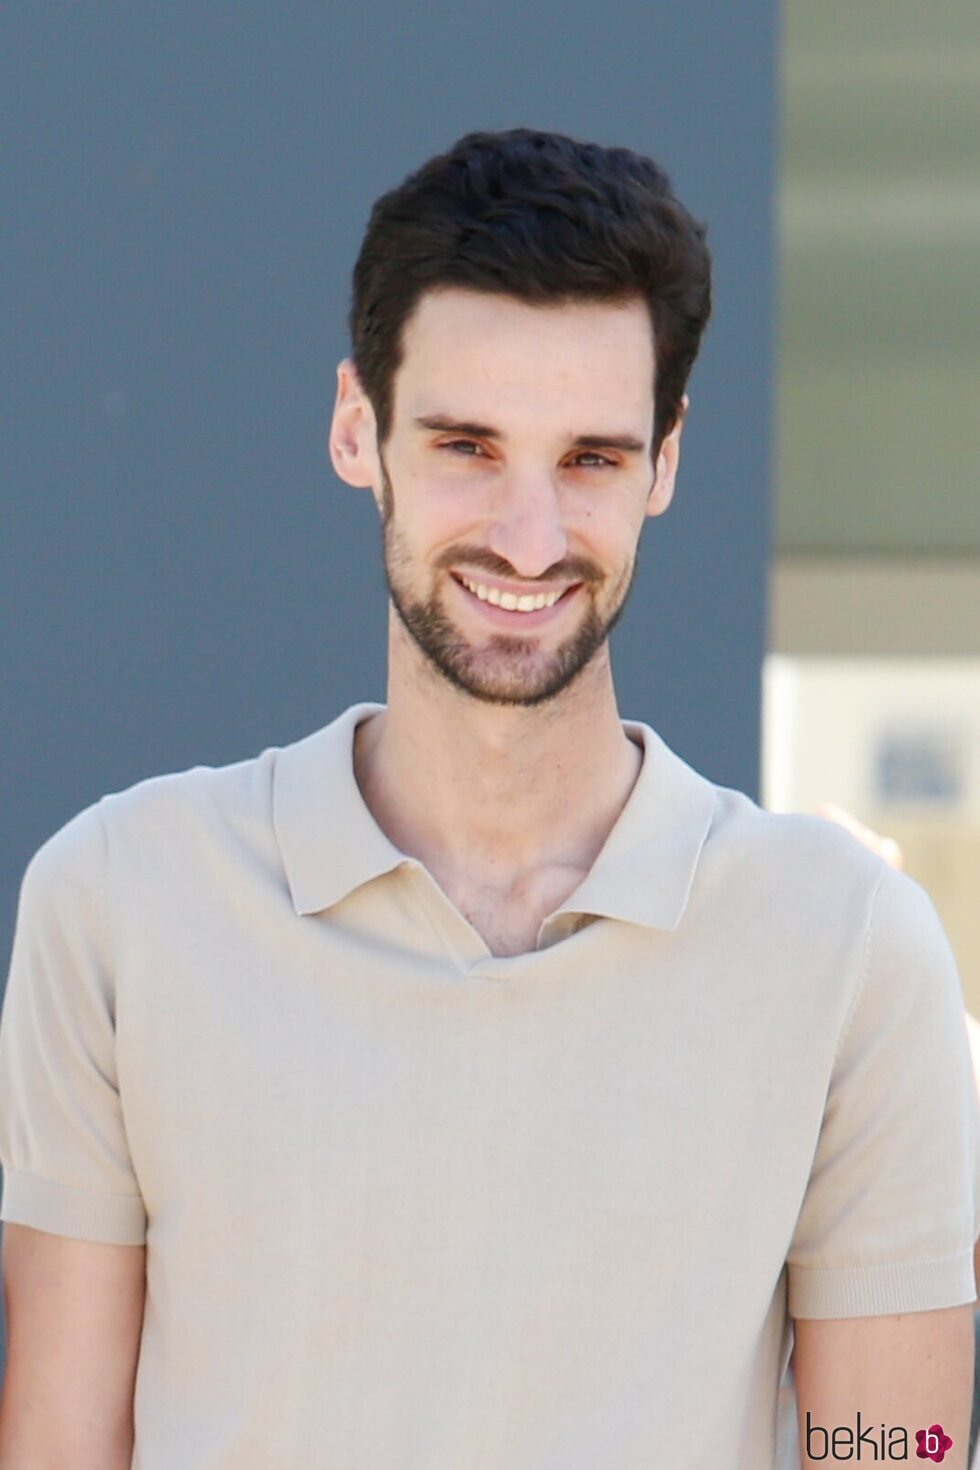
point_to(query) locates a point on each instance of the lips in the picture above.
(511, 619)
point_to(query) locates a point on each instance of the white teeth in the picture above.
(528, 603)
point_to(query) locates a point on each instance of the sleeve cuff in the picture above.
(881, 1290)
(115, 1219)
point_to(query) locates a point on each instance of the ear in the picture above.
(668, 459)
(352, 442)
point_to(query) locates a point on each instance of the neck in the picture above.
(497, 793)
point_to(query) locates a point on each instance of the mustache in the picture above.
(570, 569)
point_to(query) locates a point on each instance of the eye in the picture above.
(461, 444)
(466, 445)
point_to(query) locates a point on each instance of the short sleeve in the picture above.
(66, 1162)
(890, 1214)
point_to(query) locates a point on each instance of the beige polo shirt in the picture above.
(412, 1206)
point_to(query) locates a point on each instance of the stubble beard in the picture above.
(508, 670)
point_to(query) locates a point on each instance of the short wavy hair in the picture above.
(543, 218)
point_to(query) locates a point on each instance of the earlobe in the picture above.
(661, 493)
(662, 489)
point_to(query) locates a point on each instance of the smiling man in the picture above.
(524, 475)
(472, 1083)
(538, 369)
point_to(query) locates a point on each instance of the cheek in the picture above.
(435, 504)
(617, 533)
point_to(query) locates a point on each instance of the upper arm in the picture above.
(888, 1221)
(881, 1279)
(907, 1371)
(64, 1144)
(74, 1316)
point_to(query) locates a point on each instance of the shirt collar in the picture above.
(331, 844)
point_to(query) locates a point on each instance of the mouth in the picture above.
(512, 618)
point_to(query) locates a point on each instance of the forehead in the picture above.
(468, 350)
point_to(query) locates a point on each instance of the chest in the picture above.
(509, 921)
(505, 928)
(349, 1049)
(400, 1131)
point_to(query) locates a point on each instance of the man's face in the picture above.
(510, 502)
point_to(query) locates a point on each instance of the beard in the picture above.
(508, 669)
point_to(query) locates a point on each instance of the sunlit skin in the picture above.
(488, 730)
(505, 668)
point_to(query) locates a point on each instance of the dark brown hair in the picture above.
(543, 218)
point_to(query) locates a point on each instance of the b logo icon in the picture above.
(933, 1443)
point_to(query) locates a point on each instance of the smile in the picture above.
(506, 610)
(508, 599)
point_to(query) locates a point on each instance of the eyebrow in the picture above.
(441, 424)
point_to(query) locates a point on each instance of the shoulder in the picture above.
(202, 792)
(169, 812)
(790, 851)
(815, 878)
(813, 875)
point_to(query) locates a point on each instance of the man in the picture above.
(484, 1087)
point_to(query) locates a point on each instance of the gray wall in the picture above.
(184, 579)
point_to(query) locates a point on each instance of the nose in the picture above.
(528, 531)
